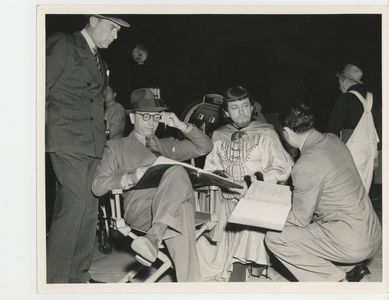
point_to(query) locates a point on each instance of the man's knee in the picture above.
(178, 174)
(176, 170)
(273, 240)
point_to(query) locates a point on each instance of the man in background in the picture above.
(115, 115)
(356, 118)
(76, 79)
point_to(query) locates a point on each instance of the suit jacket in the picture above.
(74, 96)
(124, 155)
(328, 192)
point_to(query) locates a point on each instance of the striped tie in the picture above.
(97, 60)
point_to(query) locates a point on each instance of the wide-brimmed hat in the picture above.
(114, 18)
(144, 100)
(351, 72)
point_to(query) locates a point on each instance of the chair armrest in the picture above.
(117, 191)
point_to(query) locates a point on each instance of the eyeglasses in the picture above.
(146, 117)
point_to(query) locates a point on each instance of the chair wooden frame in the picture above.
(205, 220)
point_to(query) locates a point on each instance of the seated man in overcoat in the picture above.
(165, 212)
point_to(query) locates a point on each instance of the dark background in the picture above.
(277, 57)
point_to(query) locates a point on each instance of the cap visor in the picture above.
(115, 20)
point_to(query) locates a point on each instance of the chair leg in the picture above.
(129, 277)
(162, 269)
(200, 231)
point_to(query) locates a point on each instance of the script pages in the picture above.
(265, 205)
(197, 176)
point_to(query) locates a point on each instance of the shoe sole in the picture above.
(143, 261)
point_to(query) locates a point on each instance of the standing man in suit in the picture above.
(166, 212)
(76, 79)
(332, 218)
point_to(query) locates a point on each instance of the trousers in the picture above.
(309, 254)
(171, 203)
(72, 235)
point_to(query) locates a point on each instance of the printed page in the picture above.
(265, 205)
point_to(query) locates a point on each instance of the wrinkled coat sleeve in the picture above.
(308, 186)
(277, 163)
(56, 56)
(197, 144)
(213, 160)
(109, 172)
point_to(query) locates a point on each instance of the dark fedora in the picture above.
(144, 100)
(114, 18)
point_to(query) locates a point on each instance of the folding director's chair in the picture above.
(205, 220)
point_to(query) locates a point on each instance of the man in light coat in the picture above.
(165, 212)
(332, 218)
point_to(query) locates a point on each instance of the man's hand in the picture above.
(134, 176)
(170, 119)
(240, 192)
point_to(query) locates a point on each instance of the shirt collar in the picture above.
(89, 40)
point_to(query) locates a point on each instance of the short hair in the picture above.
(236, 93)
(298, 117)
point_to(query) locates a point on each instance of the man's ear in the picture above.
(93, 21)
(132, 118)
(226, 113)
(286, 131)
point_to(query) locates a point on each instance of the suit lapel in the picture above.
(86, 54)
(140, 155)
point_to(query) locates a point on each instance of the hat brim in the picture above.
(349, 77)
(116, 20)
(148, 109)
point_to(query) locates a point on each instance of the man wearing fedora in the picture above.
(356, 119)
(167, 211)
(76, 80)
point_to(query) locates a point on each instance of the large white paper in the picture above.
(265, 205)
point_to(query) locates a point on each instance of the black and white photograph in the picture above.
(221, 148)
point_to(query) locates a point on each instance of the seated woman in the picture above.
(242, 148)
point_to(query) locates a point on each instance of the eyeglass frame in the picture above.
(146, 116)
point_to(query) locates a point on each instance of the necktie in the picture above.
(151, 146)
(97, 60)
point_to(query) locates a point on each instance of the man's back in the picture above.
(348, 111)
(343, 206)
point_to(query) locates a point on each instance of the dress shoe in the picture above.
(357, 273)
(94, 281)
(146, 248)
